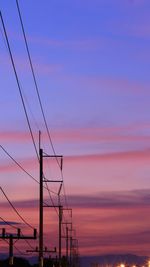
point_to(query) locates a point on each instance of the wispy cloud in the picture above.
(111, 219)
(125, 133)
(28, 164)
(15, 136)
(122, 199)
(22, 64)
(127, 155)
(109, 200)
(118, 84)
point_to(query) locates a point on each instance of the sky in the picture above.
(92, 61)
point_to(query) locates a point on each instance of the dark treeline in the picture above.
(21, 262)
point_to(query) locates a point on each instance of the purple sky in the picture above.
(91, 60)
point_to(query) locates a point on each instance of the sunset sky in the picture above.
(92, 62)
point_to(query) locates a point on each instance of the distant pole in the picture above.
(67, 243)
(41, 211)
(11, 258)
(71, 250)
(60, 222)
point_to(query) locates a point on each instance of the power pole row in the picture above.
(42, 205)
(40, 250)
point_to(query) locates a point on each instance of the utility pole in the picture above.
(70, 251)
(60, 221)
(41, 206)
(71, 245)
(41, 211)
(16, 236)
(60, 224)
(74, 252)
(67, 239)
(67, 243)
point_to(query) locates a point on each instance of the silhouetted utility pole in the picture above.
(11, 237)
(71, 251)
(41, 211)
(67, 243)
(75, 254)
(67, 237)
(60, 223)
(41, 206)
(71, 245)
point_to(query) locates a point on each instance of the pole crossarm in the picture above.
(52, 181)
(17, 235)
(52, 206)
(51, 156)
(45, 250)
(42, 205)
(67, 223)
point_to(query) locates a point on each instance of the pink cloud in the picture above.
(125, 133)
(31, 163)
(79, 44)
(102, 227)
(15, 136)
(137, 27)
(10, 166)
(42, 68)
(121, 84)
(138, 155)
(97, 135)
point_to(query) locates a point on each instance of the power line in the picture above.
(37, 91)
(30, 177)
(21, 253)
(8, 223)
(13, 207)
(18, 84)
(51, 199)
(22, 99)
(35, 82)
(19, 165)
(38, 94)
(18, 250)
(27, 242)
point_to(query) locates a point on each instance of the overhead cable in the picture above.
(18, 84)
